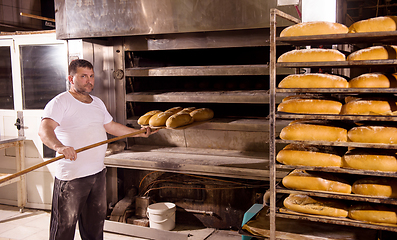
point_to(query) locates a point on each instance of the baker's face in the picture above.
(83, 81)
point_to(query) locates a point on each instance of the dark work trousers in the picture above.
(83, 200)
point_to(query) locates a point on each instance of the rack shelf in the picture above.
(339, 170)
(351, 197)
(284, 213)
(381, 37)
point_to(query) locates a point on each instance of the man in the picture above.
(72, 120)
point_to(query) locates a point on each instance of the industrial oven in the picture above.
(154, 55)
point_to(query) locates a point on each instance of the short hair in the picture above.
(79, 63)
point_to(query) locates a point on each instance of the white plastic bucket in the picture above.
(161, 215)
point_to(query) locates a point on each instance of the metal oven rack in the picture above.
(378, 37)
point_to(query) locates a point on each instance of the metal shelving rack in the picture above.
(378, 37)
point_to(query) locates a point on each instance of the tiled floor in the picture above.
(34, 225)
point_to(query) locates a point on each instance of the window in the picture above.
(6, 92)
(44, 75)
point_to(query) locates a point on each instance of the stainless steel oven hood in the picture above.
(108, 18)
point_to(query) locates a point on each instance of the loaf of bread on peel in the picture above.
(159, 119)
(376, 24)
(310, 106)
(178, 120)
(313, 80)
(174, 110)
(188, 109)
(313, 28)
(144, 119)
(202, 114)
(316, 205)
(313, 131)
(312, 55)
(370, 159)
(373, 134)
(374, 53)
(374, 213)
(315, 181)
(376, 187)
(309, 155)
(369, 107)
(374, 80)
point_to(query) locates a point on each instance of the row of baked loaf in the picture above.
(329, 156)
(175, 117)
(333, 55)
(376, 24)
(312, 104)
(317, 130)
(325, 80)
(384, 187)
(362, 211)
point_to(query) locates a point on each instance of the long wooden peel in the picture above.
(17, 174)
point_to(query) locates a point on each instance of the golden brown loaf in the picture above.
(314, 205)
(376, 24)
(369, 107)
(310, 106)
(313, 80)
(370, 159)
(373, 134)
(179, 119)
(376, 186)
(202, 114)
(374, 80)
(374, 213)
(174, 110)
(315, 181)
(307, 131)
(188, 109)
(313, 28)
(312, 55)
(374, 53)
(309, 155)
(159, 119)
(144, 119)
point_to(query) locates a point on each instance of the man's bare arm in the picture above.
(48, 137)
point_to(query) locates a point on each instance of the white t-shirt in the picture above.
(80, 125)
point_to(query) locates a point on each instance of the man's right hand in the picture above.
(69, 152)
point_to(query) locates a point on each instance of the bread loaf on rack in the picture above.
(310, 106)
(374, 53)
(144, 119)
(315, 181)
(376, 186)
(313, 131)
(373, 134)
(370, 159)
(314, 28)
(315, 205)
(313, 80)
(312, 55)
(369, 107)
(309, 155)
(374, 80)
(376, 24)
(374, 213)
